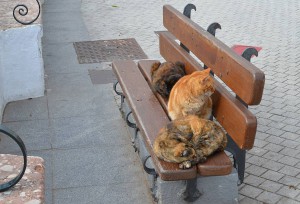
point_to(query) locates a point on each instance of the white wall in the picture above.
(21, 64)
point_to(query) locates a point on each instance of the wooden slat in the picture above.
(145, 67)
(237, 120)
(217, 164)
(241, 76)
(149, 115)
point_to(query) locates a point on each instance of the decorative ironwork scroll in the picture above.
(22, 10)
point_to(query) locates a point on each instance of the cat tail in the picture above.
(154, 67)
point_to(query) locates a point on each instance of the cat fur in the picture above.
(189, 140)
(191, 96)
(165, 75)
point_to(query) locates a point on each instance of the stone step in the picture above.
(31, 188)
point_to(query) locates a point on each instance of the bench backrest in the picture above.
(242, 77)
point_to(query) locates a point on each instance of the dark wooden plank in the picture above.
(217, 164)
(246, 80)
(145, 67)
(237, 120)
(149, 115)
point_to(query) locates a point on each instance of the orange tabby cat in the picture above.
(191, 96)
(189, 140)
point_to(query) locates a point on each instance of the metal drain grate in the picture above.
(102, 76)
(108, 50)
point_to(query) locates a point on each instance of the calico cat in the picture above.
(165, 75)
(191, 96)
(189, 140)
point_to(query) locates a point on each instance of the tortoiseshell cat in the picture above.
(165, 75)
(191, 96)
(189, 140)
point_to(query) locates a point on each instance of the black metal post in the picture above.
(212, 30)
(239, 155)
(119, 93)
(187, 12)
(191, 192)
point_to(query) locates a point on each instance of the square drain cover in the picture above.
(108, 50)
(102, 76)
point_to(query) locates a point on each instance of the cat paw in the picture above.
(202, 159)
(185, 153)
(185, 165)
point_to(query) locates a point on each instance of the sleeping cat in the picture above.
(191, 96)
(165, 75)
(189, 140)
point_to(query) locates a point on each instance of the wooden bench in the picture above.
(150, 109)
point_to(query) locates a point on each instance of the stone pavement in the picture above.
(79, 132)
(76, 127)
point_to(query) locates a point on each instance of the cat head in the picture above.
(203, 82)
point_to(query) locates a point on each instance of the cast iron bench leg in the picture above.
(239, 157)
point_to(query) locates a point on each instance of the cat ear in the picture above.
(154, 67)
(207, 70)
(205, 79)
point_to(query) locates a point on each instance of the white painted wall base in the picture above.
(21, 64)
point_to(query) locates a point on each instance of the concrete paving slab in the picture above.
(63, 36)
(102, 76)
(71, 29)
(61, 58)
(88, 131)
(63, 68)
(70, 20)
(114, 193)
(68, 80)
(31, 109)
(35, 135)
(57, 1)
(48, 196)
(55, 18)
(98, 101)
(65, 6)
(93, 166)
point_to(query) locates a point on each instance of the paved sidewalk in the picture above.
(78, 129)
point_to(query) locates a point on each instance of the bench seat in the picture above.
(150, 117)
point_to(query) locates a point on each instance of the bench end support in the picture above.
(191, 192)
